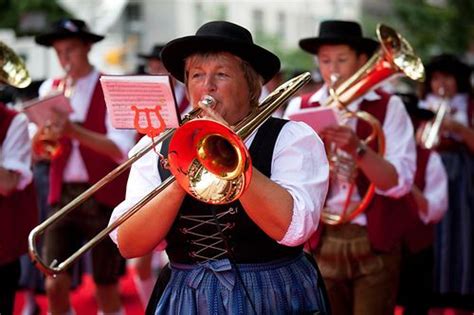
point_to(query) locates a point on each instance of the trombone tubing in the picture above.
(38, 230)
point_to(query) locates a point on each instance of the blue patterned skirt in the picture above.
(287, 286)
(454, 239)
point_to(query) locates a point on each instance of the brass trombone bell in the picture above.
(210, 161)
(12, 69)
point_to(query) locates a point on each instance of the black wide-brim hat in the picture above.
(67, 28)
(335, 32)
(154, 54)
(219, 36)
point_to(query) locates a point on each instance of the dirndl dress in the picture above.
(454, 238)
(285, 286)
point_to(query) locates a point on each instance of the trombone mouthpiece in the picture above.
(208, 101)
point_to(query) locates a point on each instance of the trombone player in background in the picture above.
(89, 148)
(448, 85)
(18, 211)
(360, 259)
(246, 256)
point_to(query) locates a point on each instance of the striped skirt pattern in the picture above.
(215, 287)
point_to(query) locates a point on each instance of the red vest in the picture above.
(386, 217)
(97, 165)
(18, 212)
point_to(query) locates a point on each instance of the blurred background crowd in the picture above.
(134, 26)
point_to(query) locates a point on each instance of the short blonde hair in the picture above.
(254, 80)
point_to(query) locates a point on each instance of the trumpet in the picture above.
(430, 133)
(394, 57)
(224, 167)
(46, 143)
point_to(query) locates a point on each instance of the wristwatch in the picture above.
(361, 150)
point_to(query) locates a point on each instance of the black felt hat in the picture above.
(219, 36)
(154, 54)
(449, 64)
(67, 28)
(339, 32)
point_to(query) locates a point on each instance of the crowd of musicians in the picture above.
(328, 220)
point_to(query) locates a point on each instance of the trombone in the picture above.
(242, 131)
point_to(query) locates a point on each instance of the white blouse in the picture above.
(299, 165)
(15, 152)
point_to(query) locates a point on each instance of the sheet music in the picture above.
(150, 95)
(317, 118)
(40, 111)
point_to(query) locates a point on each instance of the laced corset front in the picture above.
(204, 232)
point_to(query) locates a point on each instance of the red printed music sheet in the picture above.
(140, 102)
(317, 118)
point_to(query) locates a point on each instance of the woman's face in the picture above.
(221, 76)
(443, 84)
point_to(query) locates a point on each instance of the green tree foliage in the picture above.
(433, 29)
(291, 59)
(12, 12)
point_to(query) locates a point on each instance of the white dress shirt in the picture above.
(75, 171)
(436, 190)
(15, 152)
(299, 165)
(400, 150)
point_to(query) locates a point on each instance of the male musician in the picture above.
(244, 257)
(18, 210)
(90, 149)
(154, 65)
(360, 260)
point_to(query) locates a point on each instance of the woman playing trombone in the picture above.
(246, 256)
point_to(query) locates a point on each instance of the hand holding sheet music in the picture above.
(42, 111)
(142, 102)
(317, 118)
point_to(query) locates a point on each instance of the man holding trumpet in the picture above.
(246, 256)
(89, 148)
(360, 257)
